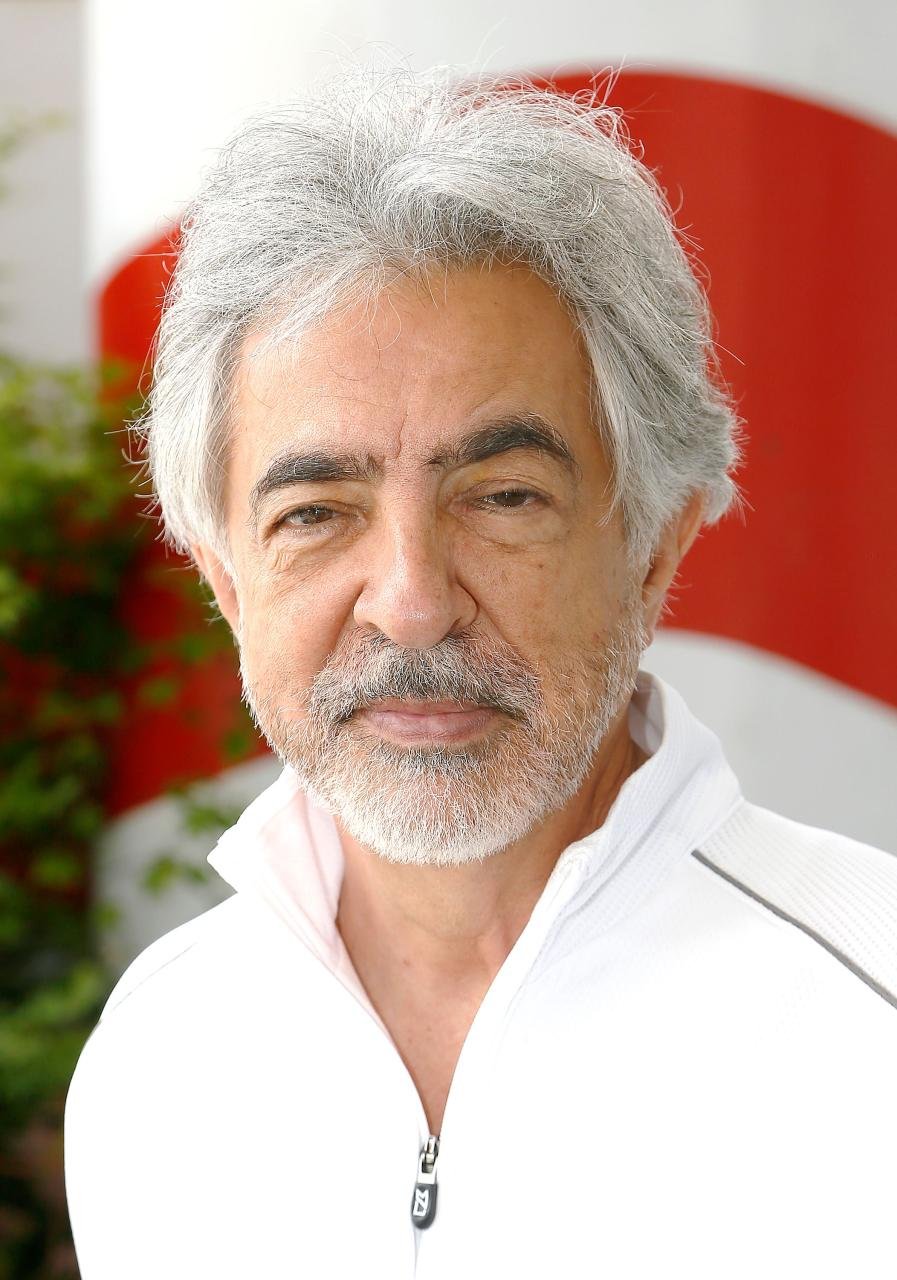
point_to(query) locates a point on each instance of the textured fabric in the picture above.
(666, 1078)
(840, 891)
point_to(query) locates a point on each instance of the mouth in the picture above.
(411, 722)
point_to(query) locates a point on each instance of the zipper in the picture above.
(423, 1201)
(528, 945)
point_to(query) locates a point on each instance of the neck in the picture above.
(449, 929)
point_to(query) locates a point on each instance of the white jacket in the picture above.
(687, 1066)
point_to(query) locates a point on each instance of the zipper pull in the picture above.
(423, 1203)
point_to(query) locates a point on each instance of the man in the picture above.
(514, 981)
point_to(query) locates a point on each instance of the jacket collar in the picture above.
(663, 811)
(287, 851)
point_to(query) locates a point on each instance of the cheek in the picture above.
(284, 638)
(561, 610)
(555, 590)
(528, 601)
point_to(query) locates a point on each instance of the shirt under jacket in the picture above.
(687, 1065)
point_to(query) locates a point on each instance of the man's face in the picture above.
(436, 619)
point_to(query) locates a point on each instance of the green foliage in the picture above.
(67, 538)
(199, 816)
(41, 1037)
(70, 537)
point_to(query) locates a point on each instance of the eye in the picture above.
(313, 514)
(508, 499)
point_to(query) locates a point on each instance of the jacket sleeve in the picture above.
(100, 1148)
(123, 1145)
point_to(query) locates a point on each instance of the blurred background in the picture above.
(124, 750)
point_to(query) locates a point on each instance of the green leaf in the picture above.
(105, 915)
(159, 874)
(159, 691)
(57, 869)
(166, 869)
(200, 817)
(194, 646)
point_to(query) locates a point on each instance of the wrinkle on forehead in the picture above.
(426, 383)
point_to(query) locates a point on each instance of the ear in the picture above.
(675, 540)
(220, 581)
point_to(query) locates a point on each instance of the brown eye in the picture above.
(508, 499)
(313, 514)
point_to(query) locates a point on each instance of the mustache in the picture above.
(461, 668)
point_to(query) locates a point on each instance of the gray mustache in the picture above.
(451, 671)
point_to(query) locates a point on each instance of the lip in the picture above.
(410, 721)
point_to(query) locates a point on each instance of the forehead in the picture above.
(404, 375)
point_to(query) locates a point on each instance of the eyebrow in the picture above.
(522, 431)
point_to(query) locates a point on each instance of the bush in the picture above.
(68, 537)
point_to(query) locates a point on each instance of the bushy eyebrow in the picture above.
(522, 431)
(525, 431)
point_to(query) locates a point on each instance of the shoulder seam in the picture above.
(110, 1008)
(888, 996)
(195, 935)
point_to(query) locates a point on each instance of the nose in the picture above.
(411, 590)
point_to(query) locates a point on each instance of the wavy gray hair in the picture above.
(377, 172)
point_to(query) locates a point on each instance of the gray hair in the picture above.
(378, 172)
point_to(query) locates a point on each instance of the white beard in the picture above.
(443, 806)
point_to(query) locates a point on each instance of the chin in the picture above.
(427, 817)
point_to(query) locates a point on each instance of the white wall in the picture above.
(42, 295)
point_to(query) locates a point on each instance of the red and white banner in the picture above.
(772, 128)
